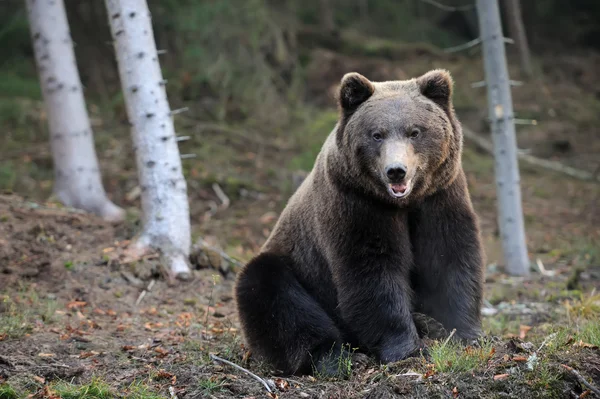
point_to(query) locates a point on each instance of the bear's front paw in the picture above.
(401, 350)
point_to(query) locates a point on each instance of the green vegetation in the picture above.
(451, 357)
(96, 389)
(8, 392)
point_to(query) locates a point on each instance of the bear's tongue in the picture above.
(399, 188)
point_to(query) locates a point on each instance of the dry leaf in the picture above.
(281, 384)
(164, 374)
(161, 351)
(523, 330)
(272, 395)
(46, 354)
(128, 348)
(41, 380)
(455, 392)
(76, 304)
(520, 358)
(500, 377)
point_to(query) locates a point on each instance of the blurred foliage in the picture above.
(243, 60)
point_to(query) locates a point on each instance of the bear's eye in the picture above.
(414, 133)
(377, 136)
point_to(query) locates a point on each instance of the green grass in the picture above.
(96, 389)
(139, 390)
(208, 386)
(452, 357)
(7, 392)
(21, 311)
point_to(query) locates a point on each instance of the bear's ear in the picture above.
(354, 90)
(437, 86)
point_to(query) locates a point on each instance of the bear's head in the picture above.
(398, 140)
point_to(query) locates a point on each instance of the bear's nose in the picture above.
(395, 172)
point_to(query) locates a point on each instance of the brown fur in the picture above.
(348, 262)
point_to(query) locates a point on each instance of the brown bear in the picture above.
(382, 228)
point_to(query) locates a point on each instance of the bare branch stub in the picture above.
(448, 8)
(464, 46)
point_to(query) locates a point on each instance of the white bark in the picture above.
(166, 218)
(500, 109)
(77, 177)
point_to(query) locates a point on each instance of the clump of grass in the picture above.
(589, 333)
(14, 320)
(208, 386)
(586, 307)
(95, 389)
(139, 390)
(8, 392)
(342, 362)
(453, 357)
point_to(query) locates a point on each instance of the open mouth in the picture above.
(399, 190)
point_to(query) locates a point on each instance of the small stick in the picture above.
(449, 337)
(547, 340)
(143, 294)
(251, 374)
(221, 194)
(582, 380)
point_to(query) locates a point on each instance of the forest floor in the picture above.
(78, 319)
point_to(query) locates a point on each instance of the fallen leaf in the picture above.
(162, 374)
(500, 377)
(519, 358)
(585, 394)
(272, 395)
(455, 392)
(76, 304)
(3, 337)
(523, 330)
(582, 344)
(46, 354)
(41, 380)
(128, 348)
(161, 351)
(281, 384)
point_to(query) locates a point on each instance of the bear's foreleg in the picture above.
(282, 322)
(448, 274)
(374, 300)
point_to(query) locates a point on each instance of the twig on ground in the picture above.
(221, 194)
(554, 166)
(543, 270)
(582, 380)
(547, 340)
(449, 337)
(251, 374)
(143, 293)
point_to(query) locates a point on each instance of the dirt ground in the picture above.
(75, 310)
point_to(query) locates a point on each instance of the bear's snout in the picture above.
(395, 172)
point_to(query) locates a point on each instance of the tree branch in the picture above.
(554, 166)
(582, 380)
(449, 8)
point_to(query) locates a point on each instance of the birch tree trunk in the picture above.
(78, 182)
(517, 33)
(500, 109)
(166, 220)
